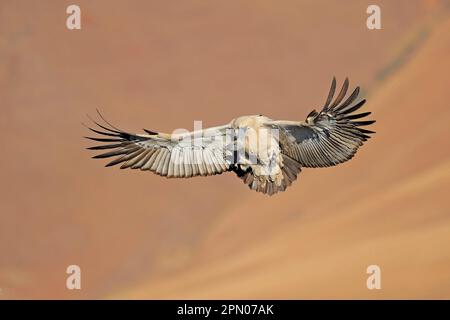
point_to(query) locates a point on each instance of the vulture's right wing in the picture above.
(173, 155)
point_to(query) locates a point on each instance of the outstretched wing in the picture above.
(173, 155)
(330, 136)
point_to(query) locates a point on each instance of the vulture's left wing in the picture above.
(328, 137)
(173, 155)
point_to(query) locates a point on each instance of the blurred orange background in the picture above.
(161, 65)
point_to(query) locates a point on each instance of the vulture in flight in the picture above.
(266, 154)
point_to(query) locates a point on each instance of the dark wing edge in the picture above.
(331, 136)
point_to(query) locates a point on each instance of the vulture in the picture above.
(266, 154)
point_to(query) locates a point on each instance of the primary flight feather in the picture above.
(266, 154)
